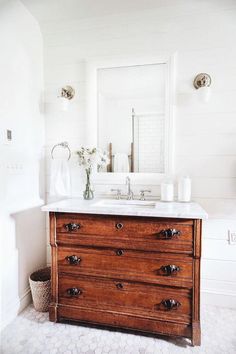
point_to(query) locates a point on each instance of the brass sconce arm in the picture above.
(67, 92)
(202, 80)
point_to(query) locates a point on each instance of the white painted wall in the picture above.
(22, 224)
(203, 33)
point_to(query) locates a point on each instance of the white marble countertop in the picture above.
(134, 208)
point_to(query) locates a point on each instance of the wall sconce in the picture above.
(202, 83)
(67, 93)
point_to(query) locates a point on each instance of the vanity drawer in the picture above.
(149, 301)
(148, 267)
(112, 319)
(151, 234)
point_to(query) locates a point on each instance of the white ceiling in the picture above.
(62, 10)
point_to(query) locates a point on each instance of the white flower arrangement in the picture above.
(89, 158)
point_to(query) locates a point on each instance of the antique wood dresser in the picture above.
(129, 272)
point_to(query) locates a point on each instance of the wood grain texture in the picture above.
(118, 278)
(136, 233)
(125, 297)
(118, 320)
(122, 263)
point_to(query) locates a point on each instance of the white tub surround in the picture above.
(132, 208)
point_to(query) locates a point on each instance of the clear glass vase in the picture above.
(88, 193)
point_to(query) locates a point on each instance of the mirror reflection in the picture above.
(131, 117)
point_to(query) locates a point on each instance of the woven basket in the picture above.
(40, 284)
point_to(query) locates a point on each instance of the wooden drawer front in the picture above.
(166, 269)
(125, 321)
(130, 232)
(149, 301)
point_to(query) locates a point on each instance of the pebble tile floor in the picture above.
(32, 333)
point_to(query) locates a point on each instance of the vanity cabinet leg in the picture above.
(54, 271)
(196, 329)
(52, 313)
(196, 334)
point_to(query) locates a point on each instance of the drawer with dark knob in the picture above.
(147, 300)
(73, 291)
(119, 286)
(140, 233)
(73, 259)
(170, 269)
(148, 267)
(120, 252)
(169, 233)
(170, 304)
(119, 226)
(71, 226)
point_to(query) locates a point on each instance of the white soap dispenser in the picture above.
(167, 190)
(184, 189)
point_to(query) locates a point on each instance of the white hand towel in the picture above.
(60, 182)
(121, 162)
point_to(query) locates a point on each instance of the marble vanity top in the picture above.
(134, 208)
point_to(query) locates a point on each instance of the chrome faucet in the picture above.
(130, 194)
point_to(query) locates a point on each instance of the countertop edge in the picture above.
(88, 209)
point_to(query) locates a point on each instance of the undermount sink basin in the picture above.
(124, 203)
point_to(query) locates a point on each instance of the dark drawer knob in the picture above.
(119, 252)
(73, 259)
(119, 286)
(169, 233)
(170, 269)
(73, 291)
(170, 304)
(72, 227)
(119, 225)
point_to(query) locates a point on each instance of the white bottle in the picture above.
(184, 189)
(167, 191)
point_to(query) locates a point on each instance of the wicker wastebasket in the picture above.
(40, 285)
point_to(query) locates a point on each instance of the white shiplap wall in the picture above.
(22, 224)
(203, 34)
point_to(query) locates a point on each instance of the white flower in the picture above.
(88, 158)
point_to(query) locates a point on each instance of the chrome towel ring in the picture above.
(64, 145)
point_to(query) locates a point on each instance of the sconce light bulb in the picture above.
(204, 94)
(202, 83)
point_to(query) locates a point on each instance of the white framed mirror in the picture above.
(130, 115)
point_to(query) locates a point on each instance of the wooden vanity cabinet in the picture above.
(135, 273)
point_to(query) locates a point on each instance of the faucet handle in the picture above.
(127, 180)
(118, 192)
(142, 193)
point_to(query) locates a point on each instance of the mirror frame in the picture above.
(92, 116)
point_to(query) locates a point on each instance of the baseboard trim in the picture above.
(15, 307)
(25, 300)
